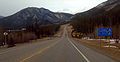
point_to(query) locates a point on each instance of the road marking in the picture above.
(39, 52)
(76, 47)
(79, 51)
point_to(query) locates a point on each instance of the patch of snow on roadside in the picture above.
(110, 46)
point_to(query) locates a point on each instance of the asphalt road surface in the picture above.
(62, 49)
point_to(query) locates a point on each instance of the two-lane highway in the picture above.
(61, 49)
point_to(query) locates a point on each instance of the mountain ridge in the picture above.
(28, 15)
(102, 8)
(106, 14)
(1, 17)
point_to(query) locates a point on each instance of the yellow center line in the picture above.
(39, 52)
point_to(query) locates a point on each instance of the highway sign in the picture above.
(104, 31)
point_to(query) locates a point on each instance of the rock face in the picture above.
(30, 15)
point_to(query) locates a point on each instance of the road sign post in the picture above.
(101, 32)
(5, 39)
(109, 40)
(100, 41)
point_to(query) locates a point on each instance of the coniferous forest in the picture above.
(87, 22)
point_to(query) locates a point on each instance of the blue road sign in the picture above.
(104, 32)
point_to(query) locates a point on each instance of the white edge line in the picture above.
(79, 51)
(77, 48)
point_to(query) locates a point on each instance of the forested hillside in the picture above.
(106, 14)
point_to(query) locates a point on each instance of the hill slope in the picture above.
(30, 15)
(106, 14)
(1, 17)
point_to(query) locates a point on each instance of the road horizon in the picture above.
(63, 49)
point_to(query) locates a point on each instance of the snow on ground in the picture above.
(110, 46)
(112, 41)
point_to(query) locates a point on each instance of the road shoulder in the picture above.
(109, 52)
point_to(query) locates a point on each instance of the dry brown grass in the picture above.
(95, 45)
(60, 32)
(21, 37)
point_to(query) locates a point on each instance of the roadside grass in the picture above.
(113, 52)
(100, 46)
(24, 37)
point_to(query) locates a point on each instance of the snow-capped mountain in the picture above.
(63, 16)
(28, 16)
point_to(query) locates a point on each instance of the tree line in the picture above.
(31, 32)
(87, 23)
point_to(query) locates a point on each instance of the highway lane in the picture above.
(62, 49)
(18, 53)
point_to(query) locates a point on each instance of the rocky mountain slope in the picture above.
(30, 15)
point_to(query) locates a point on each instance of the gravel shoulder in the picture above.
(111, 52)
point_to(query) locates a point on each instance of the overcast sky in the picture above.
(9, 7)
